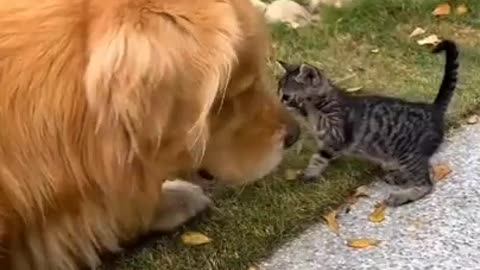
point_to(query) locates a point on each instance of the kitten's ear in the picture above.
(286, 66)
(308, 75)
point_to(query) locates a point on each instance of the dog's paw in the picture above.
(181, 201)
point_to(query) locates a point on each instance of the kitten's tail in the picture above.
(449, 81)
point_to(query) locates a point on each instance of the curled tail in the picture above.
(449, 81)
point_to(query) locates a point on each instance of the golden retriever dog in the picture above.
(102, 101)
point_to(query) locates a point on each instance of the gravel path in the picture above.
(441, 231)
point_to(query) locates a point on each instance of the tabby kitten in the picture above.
(399, 135)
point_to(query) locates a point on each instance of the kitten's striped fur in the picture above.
(399, 135)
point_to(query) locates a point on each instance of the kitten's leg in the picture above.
(317, 164)
(181, 201)
(415, 182)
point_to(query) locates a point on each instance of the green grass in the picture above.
(251, 222)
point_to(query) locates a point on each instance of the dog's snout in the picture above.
(292, 136)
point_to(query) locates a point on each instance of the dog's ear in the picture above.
(120, 67)
(135, 66)
(286, 66)
(308, 74)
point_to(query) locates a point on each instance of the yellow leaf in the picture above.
(378, 215)
(430, 40)
(441, 171)
(195, 239)
(331, 219)
(354, 89)
(442, 10)
(363, 243)
(290, 174)
(461, 9)
(417, 31)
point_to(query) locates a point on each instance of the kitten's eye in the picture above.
(286, 97)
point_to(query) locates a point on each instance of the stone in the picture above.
(289, 12)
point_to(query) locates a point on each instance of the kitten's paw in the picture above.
(306, 178)
(408, 195)
(397, 199)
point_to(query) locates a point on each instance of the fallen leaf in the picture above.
(374, 50)
(290, 174)
(417, 31)
(354, 89)
(442, 10)
(363, 243)
(331, 219)
(473, 119)
(378, 215)
(348, 77)
(430, 40)
(352, 199)
(441, 171)
(299, 147)
(362, 191)
(461, 9)
(195, 239)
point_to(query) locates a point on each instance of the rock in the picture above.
(473, 119)
(261, 6)
(289, 12)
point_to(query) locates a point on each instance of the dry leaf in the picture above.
(417, 31)
(362, 191)
(378, 215)
(363, 243)
(430, 40)
(461, 9)
(299, 147)
(331, 219)
(442, 10)
(195, 239)
(441, 171)
(352, 199)
(473, 119)
(354, 89)
(290, 174)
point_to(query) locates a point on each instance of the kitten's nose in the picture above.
(293, 134)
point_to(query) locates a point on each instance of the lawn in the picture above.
(367, 45)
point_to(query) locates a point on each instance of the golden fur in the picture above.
(101, 101)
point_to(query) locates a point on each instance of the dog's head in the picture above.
(191, 78)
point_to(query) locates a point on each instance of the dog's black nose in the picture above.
(205, 174)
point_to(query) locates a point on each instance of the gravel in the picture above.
(441, 231)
